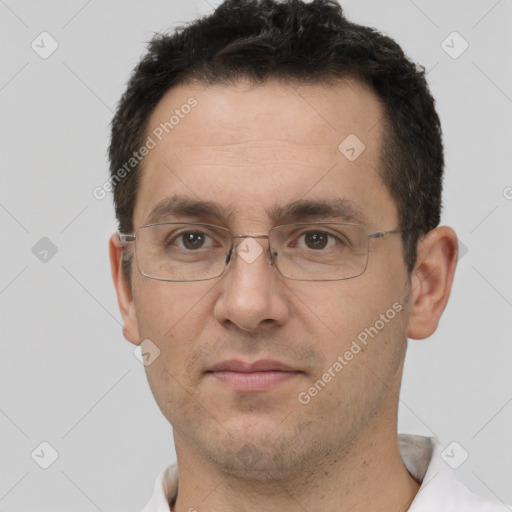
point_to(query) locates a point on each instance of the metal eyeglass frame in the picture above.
(125, 238)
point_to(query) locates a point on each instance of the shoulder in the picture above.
(165, 490)
(440, 489)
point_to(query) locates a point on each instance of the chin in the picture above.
(253, 462)
(258, 453)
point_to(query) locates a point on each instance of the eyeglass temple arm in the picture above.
(126, 239)
(380, 234)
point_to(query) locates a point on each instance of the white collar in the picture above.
(439, 491)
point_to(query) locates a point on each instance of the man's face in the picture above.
(251, 149)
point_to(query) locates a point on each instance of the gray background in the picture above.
(68, 377)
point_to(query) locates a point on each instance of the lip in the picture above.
(258, 376)
(263, 365)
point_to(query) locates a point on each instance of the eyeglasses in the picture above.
(317, 251)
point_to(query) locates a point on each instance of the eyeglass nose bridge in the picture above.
(250, 236)
(239, 237)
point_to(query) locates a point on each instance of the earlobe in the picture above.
(123, 291)
(432, 281)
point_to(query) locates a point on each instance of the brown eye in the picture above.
(192, 239)
(316, 239)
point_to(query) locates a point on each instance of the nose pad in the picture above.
(228, 256)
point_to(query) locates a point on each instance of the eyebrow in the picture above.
(337, 210)
(182, 206)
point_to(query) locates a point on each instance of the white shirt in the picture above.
(440, 491)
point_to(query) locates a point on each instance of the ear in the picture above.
(124, 292)
(432, 280)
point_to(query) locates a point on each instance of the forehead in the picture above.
(252, 147)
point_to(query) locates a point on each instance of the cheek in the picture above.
(173, 317)
(154, 307)
(163, 307)
(340, 310)
(369, 340)
(362, 310)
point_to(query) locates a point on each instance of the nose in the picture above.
(252, 295)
